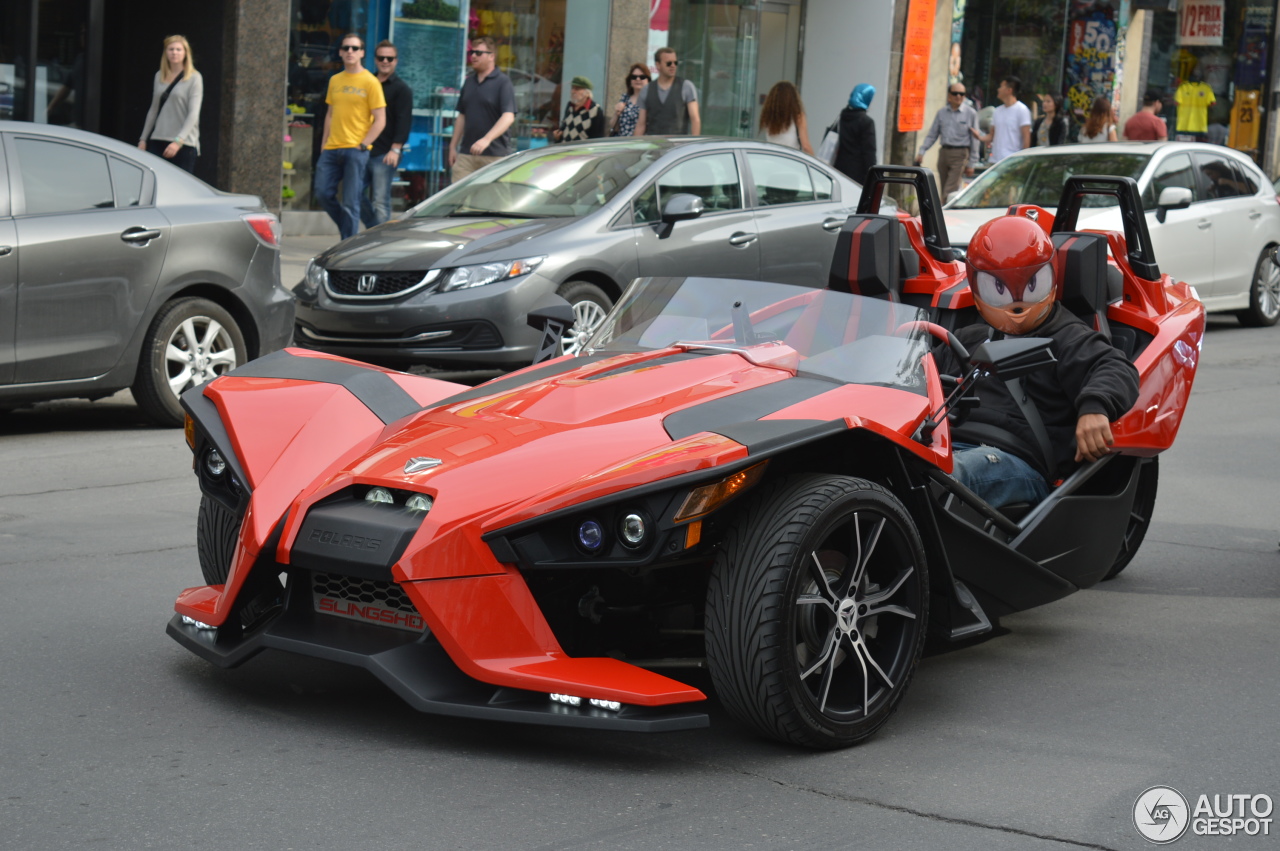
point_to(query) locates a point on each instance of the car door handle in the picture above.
(140, 235)
(832, 224)
(741, 238)
(1204, 225)
(5, 250)
(1256, 214)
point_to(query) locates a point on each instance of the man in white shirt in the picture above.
(1010, 124)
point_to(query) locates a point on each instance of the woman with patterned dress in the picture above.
(627, 109)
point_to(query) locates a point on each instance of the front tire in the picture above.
(590, 306)
(191, 341)
(217, 532)
(1264, 293)
(1144, 504)
(816, 610)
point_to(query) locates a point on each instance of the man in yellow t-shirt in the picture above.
(356, 115)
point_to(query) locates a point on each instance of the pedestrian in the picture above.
(951, 126)
(1146, 125)
(782, 118)
(172, 128)
(661, 114)
(627, 110)
(355, 118)
(1053, 127)
(1010, 122)
(1098, 126)
(583, 117)
(486, 111)
(388, 148)
(856, 153)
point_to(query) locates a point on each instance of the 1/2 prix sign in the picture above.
(1200, 22)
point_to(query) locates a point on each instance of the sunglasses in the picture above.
(673, 62)
(385, 58)
(350, 47)
(639, 77)
(954, 94)
(479, 52)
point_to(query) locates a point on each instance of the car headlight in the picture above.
(488, 273)
(315, 277)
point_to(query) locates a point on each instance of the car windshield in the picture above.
(837, 336)
(1038, 179)
(556, 183)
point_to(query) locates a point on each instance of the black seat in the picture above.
(868, 257)
(1082, 262)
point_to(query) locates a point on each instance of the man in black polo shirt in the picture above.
(668, 105)
(486, 110)
(384, 158)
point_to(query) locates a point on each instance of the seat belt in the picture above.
(1032, 416)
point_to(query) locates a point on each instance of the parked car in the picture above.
(118, 269)
(450, 282)
(1214, 216)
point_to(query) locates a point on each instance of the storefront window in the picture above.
(530, 41)
(717, 42)
(1024, 38)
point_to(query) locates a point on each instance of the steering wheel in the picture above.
(932, 328)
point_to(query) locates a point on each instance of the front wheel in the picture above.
(816, 610)
(1144, 504)
(590, 307)
(1264, 293)
(191, 341)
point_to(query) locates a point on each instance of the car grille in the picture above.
(369, 600)
(386, 283)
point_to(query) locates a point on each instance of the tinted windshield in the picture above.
(842, 337)
(1038, 179)
(562, 181)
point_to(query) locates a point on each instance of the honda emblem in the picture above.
(366, 283)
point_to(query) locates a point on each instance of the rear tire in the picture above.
(816, 610)
(1144, 503)
(217, 533)
(191, 341)
(590, 306)
(1264, 294)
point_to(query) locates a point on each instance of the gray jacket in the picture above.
(180, 118)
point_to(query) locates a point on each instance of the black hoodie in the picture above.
(1090, 377)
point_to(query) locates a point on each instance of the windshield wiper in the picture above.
(485, 214)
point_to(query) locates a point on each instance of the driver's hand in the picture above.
(1093, 437)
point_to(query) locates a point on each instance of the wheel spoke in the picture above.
(827, 677)
(878, 598)
(866, 653)
(189, 334)
(812, 600)
(226, 357)
(891, 609)
(820, 577)
(866, 680)
(179, 382)
(852, 577)
(828, 653)
(211, 332)
(176, 355)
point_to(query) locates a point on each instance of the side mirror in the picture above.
(1172, 198)
(1013, 358)
(681, 207)
(553, 317)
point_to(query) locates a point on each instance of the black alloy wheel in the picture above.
(816, 610)
(1144, 504)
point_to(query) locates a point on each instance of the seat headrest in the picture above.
(867, 257)
(1082, 263)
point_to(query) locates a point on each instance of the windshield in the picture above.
(1038, 179)
(557, 183)
(841, 337)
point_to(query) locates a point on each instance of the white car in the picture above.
(1214, 217)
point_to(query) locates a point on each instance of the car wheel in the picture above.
(1144, 503)
(217, 532)
(816, 610)
(590, 307)
(1264, 293)
(191, 341)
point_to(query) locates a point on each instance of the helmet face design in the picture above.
(1011, 274)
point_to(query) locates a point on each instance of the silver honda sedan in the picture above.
(451, 281)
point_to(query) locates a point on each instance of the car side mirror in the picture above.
(681, 207)
(1013, 358)
(553, 317)
(1172, 198)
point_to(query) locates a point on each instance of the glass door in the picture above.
(717, 43)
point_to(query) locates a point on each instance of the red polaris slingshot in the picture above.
(743, 476)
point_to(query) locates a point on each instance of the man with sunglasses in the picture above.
(384, 158)
(664, 115)
(486, 111)
(951, 126)
(356, 115)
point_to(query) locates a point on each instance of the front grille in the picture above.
(386, 284)
(368, 600)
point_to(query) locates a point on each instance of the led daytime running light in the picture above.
(708, 498)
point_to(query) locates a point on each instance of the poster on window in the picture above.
(1091, 54)
(1200, 22)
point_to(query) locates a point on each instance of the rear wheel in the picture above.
(217, 532)
(590, 306)
(191, 341)
(1264, 293)
(816, 610)
(1144, 503)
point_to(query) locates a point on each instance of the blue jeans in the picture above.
(341, 166)
(1000, 478)
(376, 207)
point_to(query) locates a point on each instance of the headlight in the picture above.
(316, 276)
(488, 273)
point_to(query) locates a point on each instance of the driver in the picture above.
(999, 454)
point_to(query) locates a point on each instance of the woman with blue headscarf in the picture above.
(857, 150)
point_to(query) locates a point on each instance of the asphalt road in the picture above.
(1042, 738)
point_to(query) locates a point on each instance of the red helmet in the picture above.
(1011, 274)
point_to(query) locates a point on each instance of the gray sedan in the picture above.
(118, 269)
(451, 281)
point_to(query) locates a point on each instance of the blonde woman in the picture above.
(172, 128)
